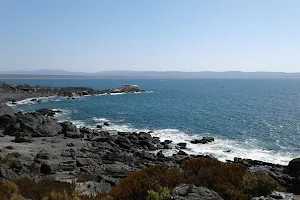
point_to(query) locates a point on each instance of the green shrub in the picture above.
(137, 184)
(257, 184)
(36, 190)
(53, 195)
(9, 190)
(164, 194)
(224, 178)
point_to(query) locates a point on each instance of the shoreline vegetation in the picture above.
(41, 158)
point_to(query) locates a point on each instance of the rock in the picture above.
(105, 124)
(47, 168)
(168, 141)
(182, 145)
(182, 153)
(294, 166)
(5, 120)
(70, 130)
(71, 144)
(277, 195)
(8, 174)
(45, 155)
(23, 137)
(68, 165)
(191, 192)
(76, 134)
(38, 125)
(204, 140)
(80, 162)
(99, 126)
(68, 126)
(92, 188)
(160, 154)
(11, 129)
(47, 112)
(6, 110)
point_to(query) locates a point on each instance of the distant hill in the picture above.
(144, 74)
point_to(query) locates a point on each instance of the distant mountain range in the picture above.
(144, 74)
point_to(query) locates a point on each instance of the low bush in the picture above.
(164, 194)
(137, 184)
(224, 178)
(38, 189)
(9, 190)
(256, 184)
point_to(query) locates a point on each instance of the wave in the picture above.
(222, 149)
(123, 93)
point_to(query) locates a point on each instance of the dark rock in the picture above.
(80, 162)
(38, 125)
(8, 174)
(182, 145)
(6, 110)
(69, 165)
(47, 168)
(5, 120)
(191, 192)
(68, 126)
(105, 124)
(277, 195)
(294, 166)
(23, 137)
(45, 155)
(168, 141)
(47, 112)
(204, 140)
(76, 134)
(71, 144)
(160, 154)
(9, 147)
(182, 153)
(99, 126)
(11, 129)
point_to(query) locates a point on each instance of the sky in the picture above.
(151, 35)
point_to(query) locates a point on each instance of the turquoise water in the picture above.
(254, 118)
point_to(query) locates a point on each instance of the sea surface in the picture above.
(251, 118)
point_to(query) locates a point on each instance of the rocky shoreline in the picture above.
(12, 93)
(35, 145)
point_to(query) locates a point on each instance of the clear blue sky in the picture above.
(183, 35)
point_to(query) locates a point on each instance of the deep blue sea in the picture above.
(254, 118)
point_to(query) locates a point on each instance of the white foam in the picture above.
(122, 93)
(219, 148)
(95, 119)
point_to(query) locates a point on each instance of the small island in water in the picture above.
(43, 158)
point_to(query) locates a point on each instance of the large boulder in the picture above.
(294, 166)
(204, 140)
(277, 195)
(38, 125)
(48, 112)
(70, 130)
(5, 120)
(22, 136)
(191, 192)
(6, 110)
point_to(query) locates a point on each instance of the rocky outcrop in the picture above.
(191, 192)
(204, 140)
(277, 195)
(6, 110)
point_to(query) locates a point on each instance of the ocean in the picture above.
(249, 118)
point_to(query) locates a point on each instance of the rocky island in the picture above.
(85, 163)
(13, 93)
